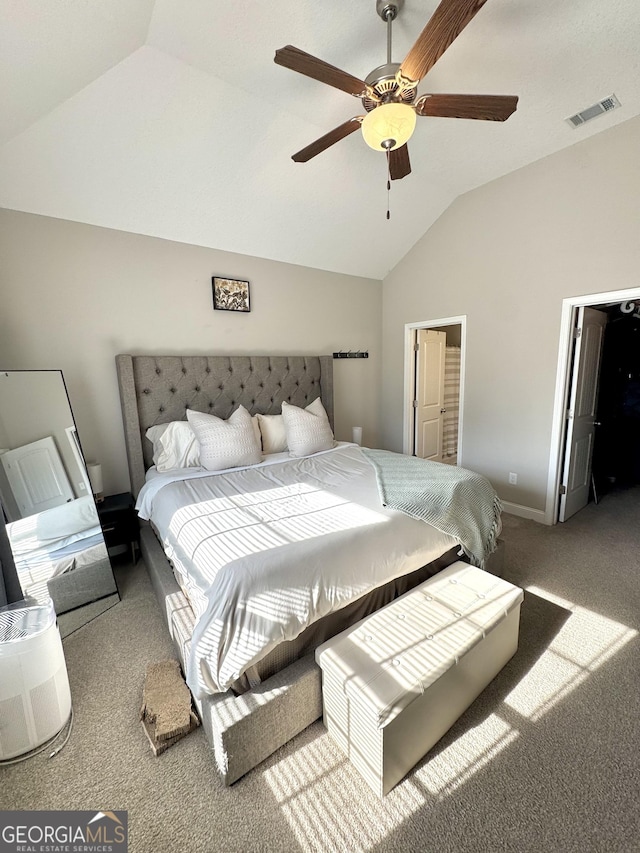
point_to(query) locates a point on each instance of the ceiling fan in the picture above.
(389, 92)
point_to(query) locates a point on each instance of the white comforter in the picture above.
(263, 552)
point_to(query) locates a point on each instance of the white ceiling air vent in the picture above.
(603, 106)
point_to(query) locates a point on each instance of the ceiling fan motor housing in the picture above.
(384, 83)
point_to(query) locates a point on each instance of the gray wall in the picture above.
(74, 295)
(506, 255)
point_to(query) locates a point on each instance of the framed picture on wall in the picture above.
(230, 294)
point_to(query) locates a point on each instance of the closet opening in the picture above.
(594, 447)
(434, 372)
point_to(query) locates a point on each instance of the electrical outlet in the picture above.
(513, 478)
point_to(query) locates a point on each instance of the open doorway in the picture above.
(605, 418)
(434, 383)
(616, 452)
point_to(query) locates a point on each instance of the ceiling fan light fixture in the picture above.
(389, 126)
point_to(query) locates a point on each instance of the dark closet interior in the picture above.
(616, 455)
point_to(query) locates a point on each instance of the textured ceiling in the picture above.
(171, 119)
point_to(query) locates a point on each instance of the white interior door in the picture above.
(37, 476)
(581, 414)
(429, 402)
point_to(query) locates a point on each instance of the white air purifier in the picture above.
(35, 700)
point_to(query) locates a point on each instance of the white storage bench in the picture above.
(396, 681)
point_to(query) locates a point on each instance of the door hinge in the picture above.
(576, 333)
(563, 489)
(416, 347)
(415, 404)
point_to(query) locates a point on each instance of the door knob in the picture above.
(442, 411)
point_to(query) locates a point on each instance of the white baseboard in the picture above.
(524, 512)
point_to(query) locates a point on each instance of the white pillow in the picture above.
(308, 430)
(225, 444)
(274, 435)
(174, 446)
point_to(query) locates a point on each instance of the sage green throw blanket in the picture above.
(454, 500)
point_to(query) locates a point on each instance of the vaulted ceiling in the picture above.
(170, 118)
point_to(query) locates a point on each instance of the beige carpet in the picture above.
(547, 759)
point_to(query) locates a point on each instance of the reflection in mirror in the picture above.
(47, 502)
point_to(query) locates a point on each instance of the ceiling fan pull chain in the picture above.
(388, 185)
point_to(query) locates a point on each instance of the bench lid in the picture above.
(388, 659)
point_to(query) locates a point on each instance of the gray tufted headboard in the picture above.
(158, 389)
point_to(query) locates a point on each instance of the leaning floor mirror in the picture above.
(47, 502)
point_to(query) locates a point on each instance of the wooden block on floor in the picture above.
(166, 714)
(160, 746)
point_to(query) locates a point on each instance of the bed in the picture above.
(60, 554)
(255, 696)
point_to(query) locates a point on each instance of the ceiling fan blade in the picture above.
(399, 165)
(444, 26)
(488, 107)
(304, 63)
(328, 140)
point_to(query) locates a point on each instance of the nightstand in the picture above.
(120, 522)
